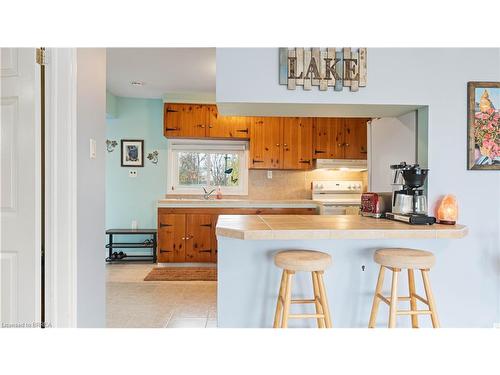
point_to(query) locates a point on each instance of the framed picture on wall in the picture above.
(483, 125)
(132, 152)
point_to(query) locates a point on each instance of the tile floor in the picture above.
(132, 302)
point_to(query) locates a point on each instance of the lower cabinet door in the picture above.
(199, 234)
(171, 238)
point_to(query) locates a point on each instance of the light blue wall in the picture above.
(129, 198)
(111, 106)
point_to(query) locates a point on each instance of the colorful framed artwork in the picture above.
(132, 153)
(483, 125)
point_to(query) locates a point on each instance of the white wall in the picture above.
(91, 115)
(391, 140)
(467, 280)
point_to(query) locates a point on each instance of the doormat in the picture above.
(182, 274)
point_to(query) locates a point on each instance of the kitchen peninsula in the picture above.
(248, 280)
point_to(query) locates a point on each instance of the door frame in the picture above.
(61, 187)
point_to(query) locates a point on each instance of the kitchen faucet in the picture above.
(207, 193)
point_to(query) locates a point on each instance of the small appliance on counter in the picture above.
(337, 197)
(409, 203)
(376, 204)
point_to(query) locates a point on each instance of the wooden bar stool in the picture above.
(395, 260)
(292, 261)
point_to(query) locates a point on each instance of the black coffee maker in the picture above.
(409, 204)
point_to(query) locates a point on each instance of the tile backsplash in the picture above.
(290, 184)
(294, 184)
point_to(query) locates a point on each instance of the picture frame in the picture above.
(132, 153)
(483, 125)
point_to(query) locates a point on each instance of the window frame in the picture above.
(220, 146)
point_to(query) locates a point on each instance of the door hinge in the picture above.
(41, 56)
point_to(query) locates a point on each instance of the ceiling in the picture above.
(163, 71)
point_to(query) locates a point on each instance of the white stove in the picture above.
(338, 197)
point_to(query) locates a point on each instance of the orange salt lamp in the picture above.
(447, 212)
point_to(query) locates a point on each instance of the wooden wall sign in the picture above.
(323, 67)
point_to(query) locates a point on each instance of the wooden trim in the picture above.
(238, 211)
(61, 157)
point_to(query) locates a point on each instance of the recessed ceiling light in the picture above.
(137, 83)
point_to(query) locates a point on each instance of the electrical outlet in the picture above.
(270, 174)
(132, 172)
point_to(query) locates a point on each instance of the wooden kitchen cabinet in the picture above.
(185, 120)
(227, 126)
(328, 138)
(171, 238)
(340, 138)
(188, 234)
(199, 238)
(266, 143)
(297, 142)
(355, 138)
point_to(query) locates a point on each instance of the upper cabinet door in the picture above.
(328, 138)
(297, 143)
(185, 120)
(355, 141)
(227, 126)
(265, 143)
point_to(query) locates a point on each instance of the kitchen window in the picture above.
(193, 165)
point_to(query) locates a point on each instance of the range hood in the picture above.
(342, 164)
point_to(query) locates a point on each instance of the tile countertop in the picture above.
(315, 227)
(237, 203)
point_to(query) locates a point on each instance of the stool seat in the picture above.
(302, 260)
(404, 258)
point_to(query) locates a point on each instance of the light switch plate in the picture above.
(270, 174)
(92, 148)
(132, 172)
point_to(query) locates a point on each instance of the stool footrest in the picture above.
(413, 312)
(387, 300)
(302, 316)
(302, 301)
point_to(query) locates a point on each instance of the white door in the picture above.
(19, 200)
(390, 141)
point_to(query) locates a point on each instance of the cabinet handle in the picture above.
(305, 161)
(285, 145)
(200, 125)
(172, 129)
(346, 144)
(165, 225)
(340, 144)
(319, 152)
(171, 111)
(277, 145)
(206, 225)
(210, 126)
(165, 251)
(257, 161)
(242, 130)
(205, 251)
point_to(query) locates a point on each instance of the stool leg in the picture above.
(376, 299)
(288, 298)
(430, 298)
(413, 300)
(324, 299)
(394, 298)
(319, 309)
(279, 303)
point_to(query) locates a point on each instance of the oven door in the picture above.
(336, 209)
